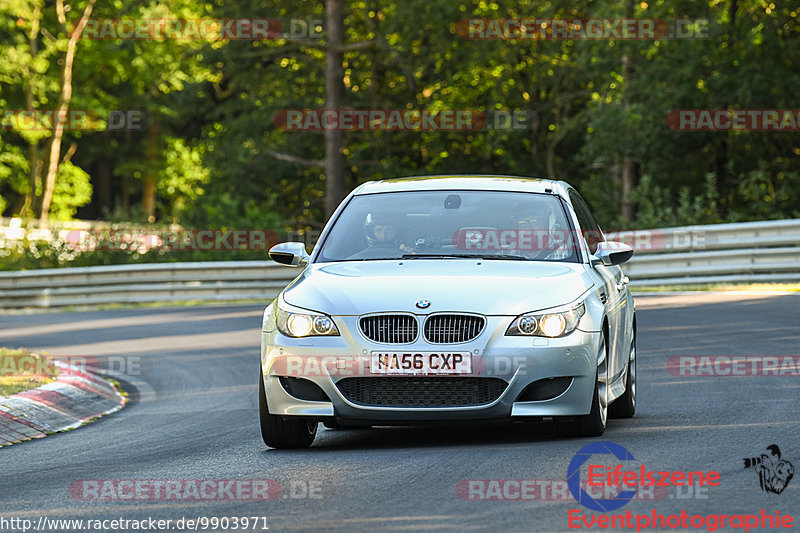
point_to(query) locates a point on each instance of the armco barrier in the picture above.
(767, 251)
(745, 252)
(158, 282)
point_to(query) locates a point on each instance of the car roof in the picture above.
(475, 182)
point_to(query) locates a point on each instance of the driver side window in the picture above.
(589, 227)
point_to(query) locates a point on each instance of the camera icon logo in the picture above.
(774, 473)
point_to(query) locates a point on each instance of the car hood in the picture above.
(488, 287)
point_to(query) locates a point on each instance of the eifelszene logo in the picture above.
(600, 475)
(773, 472)
(574, 476)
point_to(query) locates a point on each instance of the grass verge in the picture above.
(117, 386)
(22, 370)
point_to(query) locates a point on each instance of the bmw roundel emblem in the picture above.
(423, 304)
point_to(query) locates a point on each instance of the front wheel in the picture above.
(593, 424)
(282, 432)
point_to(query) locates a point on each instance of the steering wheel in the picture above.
(548, 250)
(378, 251)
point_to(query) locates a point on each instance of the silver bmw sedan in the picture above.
(443, 298)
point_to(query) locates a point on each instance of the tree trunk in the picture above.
(34, 177)
(721, 156)
(628, 176)
(64, 99)
(149, 187)
(126, 196)
(33, 146)
(616, 178)
(334, 95)
(628, 186)
(103, 189)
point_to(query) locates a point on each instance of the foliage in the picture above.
(28, 255)
(209, 143)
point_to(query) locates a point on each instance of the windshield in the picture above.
(451, 224)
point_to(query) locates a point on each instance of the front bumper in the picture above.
(518, 361)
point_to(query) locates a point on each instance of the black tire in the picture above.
(283, 432)
(593, 424)
(625, 405)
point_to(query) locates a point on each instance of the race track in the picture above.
(193, 415)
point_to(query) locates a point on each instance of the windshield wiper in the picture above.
(513, 257)
(462, 256)
(428, 256)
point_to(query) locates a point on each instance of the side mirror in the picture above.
(289, 253)
(611, 253)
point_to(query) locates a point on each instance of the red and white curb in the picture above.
(74, 398)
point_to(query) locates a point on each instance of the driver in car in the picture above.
(387, 230)
(533, 226)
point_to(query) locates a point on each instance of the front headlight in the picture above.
(296, 322)
(547, 324)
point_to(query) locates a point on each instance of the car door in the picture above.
(615, 288)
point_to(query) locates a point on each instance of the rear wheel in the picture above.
(593, 424)
(625, 405)
(282, 432)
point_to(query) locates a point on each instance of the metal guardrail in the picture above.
(745, 252)
(739, 235)
(157, 282)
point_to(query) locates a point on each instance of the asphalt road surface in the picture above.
(193, 416)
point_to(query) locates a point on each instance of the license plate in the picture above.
(421, 363)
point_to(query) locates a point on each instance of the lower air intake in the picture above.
(421, 391)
